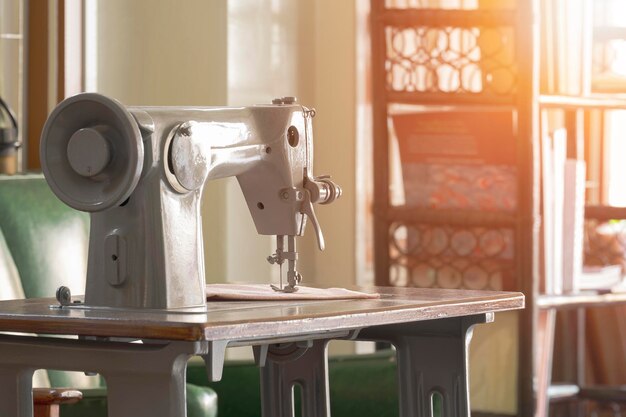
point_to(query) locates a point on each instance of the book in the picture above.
(559, 150)
(553, 157)
(458, 159)
(573, 223)
(600, 277)
(563, 215)
(566, 46)
(547, 214)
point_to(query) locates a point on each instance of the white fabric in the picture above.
(260, 292)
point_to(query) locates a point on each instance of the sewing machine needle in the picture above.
(278, 258)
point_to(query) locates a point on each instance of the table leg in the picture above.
(144, 380)
(289, 365)
(431, 360)
(147, 394)
(16, 392)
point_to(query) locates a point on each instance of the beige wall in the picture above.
(334, 98)
(262, 38)
(159, 53)
(306, 49)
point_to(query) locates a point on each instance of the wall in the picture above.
(303, 49)
(165, 55)
(334, 63)
(262, 42)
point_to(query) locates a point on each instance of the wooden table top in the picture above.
(248, 320)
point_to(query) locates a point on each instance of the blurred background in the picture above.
(478, 144)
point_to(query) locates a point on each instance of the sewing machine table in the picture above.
(430, 329)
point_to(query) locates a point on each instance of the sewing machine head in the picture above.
(140, 172)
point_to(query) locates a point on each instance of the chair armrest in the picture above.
(48, 400)
(201, 402)
(50, 396)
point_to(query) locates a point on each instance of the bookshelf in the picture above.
(464, 55)
(579, 300)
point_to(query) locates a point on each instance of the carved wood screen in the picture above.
(446, 56)
(440, 58)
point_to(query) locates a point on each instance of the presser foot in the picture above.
(287, 289)
(290, 256)
(293, 278)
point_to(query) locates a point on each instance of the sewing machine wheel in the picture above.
(91, 152)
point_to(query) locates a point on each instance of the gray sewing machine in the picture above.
(140, 172)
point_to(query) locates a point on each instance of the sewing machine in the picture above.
(140, 172)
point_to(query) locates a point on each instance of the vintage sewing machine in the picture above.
(140, 172)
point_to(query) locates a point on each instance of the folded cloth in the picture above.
(256, 292)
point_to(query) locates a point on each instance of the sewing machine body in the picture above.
(144, 194)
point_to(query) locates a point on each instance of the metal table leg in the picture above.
(148, 389)
(16, 391)
(432, 359)
(293, 364)
(143, 380)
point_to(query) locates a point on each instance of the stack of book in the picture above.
(601, 278)
(563, 208)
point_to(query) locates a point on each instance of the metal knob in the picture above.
(333, 189)
(64, 296)
(88, 152)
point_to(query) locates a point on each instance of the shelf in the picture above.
(604, 393)
(600, 393)
(447, 17)
(455, 99)
(605, 212)
(560, 392)
(600, 102)
(452, 217)
(579, 300)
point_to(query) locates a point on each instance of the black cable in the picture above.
(13, 119)
(9, 112)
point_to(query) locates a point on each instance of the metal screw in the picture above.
(285, 195)
(185, 130)
(277, 101)
(290, 100)
(293, 136)
(64, 296)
